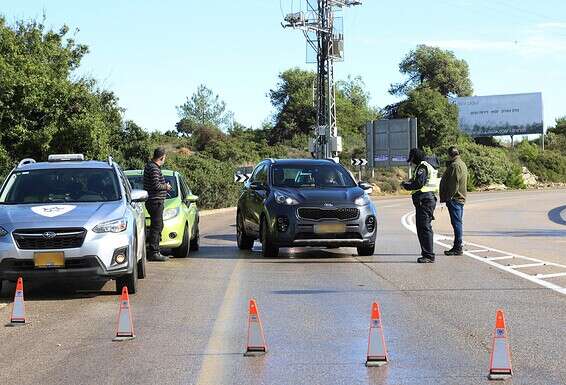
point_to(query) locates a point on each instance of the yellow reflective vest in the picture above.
(433, 181)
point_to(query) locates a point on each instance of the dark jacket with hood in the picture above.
(454, 182)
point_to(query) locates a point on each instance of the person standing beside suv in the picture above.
(453, 188)
(156, 187)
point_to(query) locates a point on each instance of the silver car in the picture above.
(71, 218)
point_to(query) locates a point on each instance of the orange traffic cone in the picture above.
(256, 345)
(500, 359)
(18, 309)
(377, 352)
(125, 329)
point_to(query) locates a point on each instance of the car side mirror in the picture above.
(365, 186)
(139, 195)
(257, 186)
(191, 198)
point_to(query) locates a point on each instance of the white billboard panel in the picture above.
(517, 114)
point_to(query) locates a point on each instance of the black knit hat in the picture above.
(416, 156)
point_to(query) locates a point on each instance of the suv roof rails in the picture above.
(26, 161)
(271, 160)
(65, 157)
(110, 160)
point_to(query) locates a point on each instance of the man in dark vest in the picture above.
(154, 184)
(453, 188)
(423, 186)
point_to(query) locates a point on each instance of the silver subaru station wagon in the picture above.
(71, 218)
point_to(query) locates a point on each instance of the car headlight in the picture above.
(115, 226)
(362, 200)
(3, 232)
(285, 200)
(170, 213)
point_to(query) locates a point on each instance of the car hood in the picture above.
(85, 215)
(324, 195)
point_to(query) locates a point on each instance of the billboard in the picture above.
(388, 141)
(517, 114)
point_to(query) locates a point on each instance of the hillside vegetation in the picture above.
(46, 107)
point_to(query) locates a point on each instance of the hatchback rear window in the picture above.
(60, 186)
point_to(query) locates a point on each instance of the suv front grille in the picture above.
(46, 239)
(316, 214)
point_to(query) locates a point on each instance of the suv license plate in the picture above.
(330, 228)
(45, 260)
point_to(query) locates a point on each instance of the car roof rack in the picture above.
(110, 160)
(65, 157)
(26, 161)
(271, 160)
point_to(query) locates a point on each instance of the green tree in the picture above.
(44, 106)
(436, 69)
(203, 109)
(560, 127)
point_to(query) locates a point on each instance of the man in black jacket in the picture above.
(423, 185)
(154, 184)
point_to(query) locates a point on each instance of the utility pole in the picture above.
(324, 34)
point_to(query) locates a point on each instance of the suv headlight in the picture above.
(3, 232)
(283, 199)
(170, 213)
(115, 226)
(362, 200)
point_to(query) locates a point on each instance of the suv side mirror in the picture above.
(191, 198)
(139, 195)
(257, 186)
(365, 186)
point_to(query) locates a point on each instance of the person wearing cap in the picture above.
(453, 188)
(423, 186)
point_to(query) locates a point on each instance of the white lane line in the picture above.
(478, 251)
(526, 265)
(499, 258)
(555, 275)
(408, 222)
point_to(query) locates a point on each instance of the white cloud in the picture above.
(552, 25)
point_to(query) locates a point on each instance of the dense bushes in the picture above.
(549, 165)
(212, 180)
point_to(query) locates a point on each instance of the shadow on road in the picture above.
(555, 215)
(44, 290)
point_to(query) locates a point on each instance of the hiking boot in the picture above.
(425, 260)
(454, 251)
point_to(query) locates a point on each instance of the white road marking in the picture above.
(408, 222)
(3, 305)
(527, 265)
(499, 258)
(478, 251)
(555, 275)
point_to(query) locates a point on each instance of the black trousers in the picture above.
(425, 203)
(155, 209)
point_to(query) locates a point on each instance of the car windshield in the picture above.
(320, 176)
(137, 183)
(60, 186)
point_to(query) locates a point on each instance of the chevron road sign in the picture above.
(242, 178)
(359, 162)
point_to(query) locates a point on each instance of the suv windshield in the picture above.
(320, 176)
(137, 183)
(60, 186)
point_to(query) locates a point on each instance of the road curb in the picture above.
(206, 213)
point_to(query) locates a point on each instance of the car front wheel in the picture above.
(195, 241)
(268, 249)
(183, 250)
(366, 250)
(129, 280)
(244, 241)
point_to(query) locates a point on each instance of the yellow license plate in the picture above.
(330, 228)
(49, 259)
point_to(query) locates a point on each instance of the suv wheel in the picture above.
(129, 280)
(141, 264)
(366, 250)
(195, 241)
(183, 250)
(268, 249)
(245, 242)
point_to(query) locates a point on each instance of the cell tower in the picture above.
(322, 26)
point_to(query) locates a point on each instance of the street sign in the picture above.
(359, 162)
(388, 141)
(242, 178)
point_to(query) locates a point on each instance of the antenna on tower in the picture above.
(323, 27)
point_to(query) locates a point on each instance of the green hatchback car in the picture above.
(180, 214)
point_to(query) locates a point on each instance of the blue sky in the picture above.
(153, 54)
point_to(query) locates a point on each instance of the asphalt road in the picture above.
(190, 314)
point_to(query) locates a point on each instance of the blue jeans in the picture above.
(456, 210)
